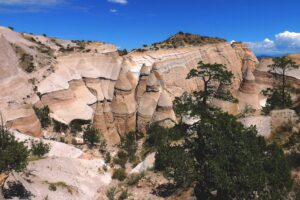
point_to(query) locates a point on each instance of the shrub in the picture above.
(107, 157)
(39, 148)
(129, 144)
(76, 125)
(91, 136)
(43, 115)
(134, 178)
(121, 158)
(16, 190)
(59, 127)
(119, 174)
(111, 193)
(11, 28)
(13, 154)
(124, 195)
(52, 187)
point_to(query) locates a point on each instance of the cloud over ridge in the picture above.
(284, 42)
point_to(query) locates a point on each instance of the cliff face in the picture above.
(90, 81)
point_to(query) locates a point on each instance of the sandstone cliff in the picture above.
(81, 80)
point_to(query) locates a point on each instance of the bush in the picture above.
(119, 174)
(59, 127)
(43, 115)
(129, 144)
(91, 136)
(124, 195)
(134, 178)
(16, 190)
(121, 158)
(111, 193)
(76, 125)
(13, 154)
(39, 148)
(107, 157)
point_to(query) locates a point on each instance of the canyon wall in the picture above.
(90, 81)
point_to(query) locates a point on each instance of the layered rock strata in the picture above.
(90, 81)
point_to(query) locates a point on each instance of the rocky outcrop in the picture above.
(16, 95)
(90, 81)
(248, 94)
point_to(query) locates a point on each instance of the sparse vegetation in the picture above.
(39, 148)
(91, 136)
(111, 193)
(43, 116)
(13, 154)
(119, 174)
(279, 97)
(59, 127)
(60, 184)
(134, 178)
(16, 190)
(124, 195)
(121, 158)
(184, 39)
(218, 152)
(123, 52)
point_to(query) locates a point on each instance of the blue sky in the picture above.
(269, 26)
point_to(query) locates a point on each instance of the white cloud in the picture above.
(118, 1)
(266, 46)
(285, 42)
(287, 39)
(30, 2)
(113, 10)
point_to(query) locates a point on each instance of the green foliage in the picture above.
(129, 144)
(233, 152)
(124, 195)
(215, 78)
(107, 157)
(13, 154)
(39, 148)
(111, 193)
(43, 115)
(16, 190)
(134, 178)
(119, 174)
(176, 163)
(158, 136)
(76, 126)
(275, 99)
(91, 136)
(59, 127)
(221, 155)
(279, 97)
(121, 158)
(60, 184)
(123, 52)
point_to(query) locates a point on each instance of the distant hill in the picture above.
(181, 39)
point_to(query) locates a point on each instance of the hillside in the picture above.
(180, 40)
(75, 84)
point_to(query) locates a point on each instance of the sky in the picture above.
(269, 27)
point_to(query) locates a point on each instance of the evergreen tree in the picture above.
(279, 97)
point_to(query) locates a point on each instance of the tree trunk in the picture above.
(204, 101)
(283, 89)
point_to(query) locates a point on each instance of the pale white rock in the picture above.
(147, 164)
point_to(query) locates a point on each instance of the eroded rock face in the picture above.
(118, 94)
(16, 96)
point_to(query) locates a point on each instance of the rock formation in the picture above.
(90, 81)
